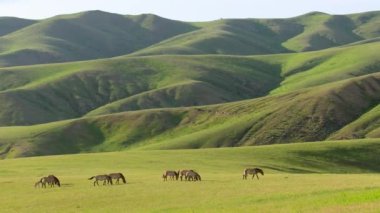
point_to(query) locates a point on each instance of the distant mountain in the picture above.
(10, 24)
(87, 35)
(312, 31)
(97, 34)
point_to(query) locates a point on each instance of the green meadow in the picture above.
(159, 94)
(301, 177)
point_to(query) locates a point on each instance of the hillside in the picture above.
(199, 98)
(11, 24)
(87, 35)
(45, 93)
(97, 34)
(306, 115)
(312, 31)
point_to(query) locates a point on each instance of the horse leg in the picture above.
(257, 175)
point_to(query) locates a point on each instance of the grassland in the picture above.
(312, 177)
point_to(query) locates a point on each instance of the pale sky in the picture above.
(187, 10)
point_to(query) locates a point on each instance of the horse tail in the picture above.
(123, 178)
(91, 177)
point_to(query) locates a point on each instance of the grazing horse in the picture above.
(105, 178)
(171, 175)
(51, 180)
(253, 172)
(118, 176)
(192, 175)
(40, 184)
(184, 172)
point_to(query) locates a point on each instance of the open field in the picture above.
(312, 177)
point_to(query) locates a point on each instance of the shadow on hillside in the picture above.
(350, 159)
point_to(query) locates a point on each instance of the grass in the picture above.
(326, 176)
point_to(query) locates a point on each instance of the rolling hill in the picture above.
(87, 35)
(224, 83)
(98, 34)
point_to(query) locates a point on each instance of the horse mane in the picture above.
(260, 171)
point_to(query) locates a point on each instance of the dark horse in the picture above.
(192, 175)
(118, 176)
(184, 172)
(51, 180)
(105, 178)
(171, 175)
(253, 172)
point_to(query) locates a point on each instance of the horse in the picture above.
(184, 172)
(105, 178)
(192, 175)
(51, 180)
(171, 175)
(40, 184)
(118, 176)
(253, 172)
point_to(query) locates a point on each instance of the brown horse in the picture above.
(118, 176)
(192, 175)
(184, 172)
(50, 180)
(40, 184)
(105, 178)
(253, 172)
(171, 174)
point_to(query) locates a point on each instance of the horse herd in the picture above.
(186, 174)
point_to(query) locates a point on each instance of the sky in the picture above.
(186, 10)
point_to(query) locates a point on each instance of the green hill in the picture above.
(87, 35)
(46, 93)
(11, 24)
(97, 34)
(189, 101)
(312, 31)
(305, 115)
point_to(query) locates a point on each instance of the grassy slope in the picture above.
(11, 24)
(321, 67)
(368, 125)
(87, 35)
(71, 90)
(287, 186)
(63, 91)
(313, 31)
(99, 34)
(235, 37)
(307, 115)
